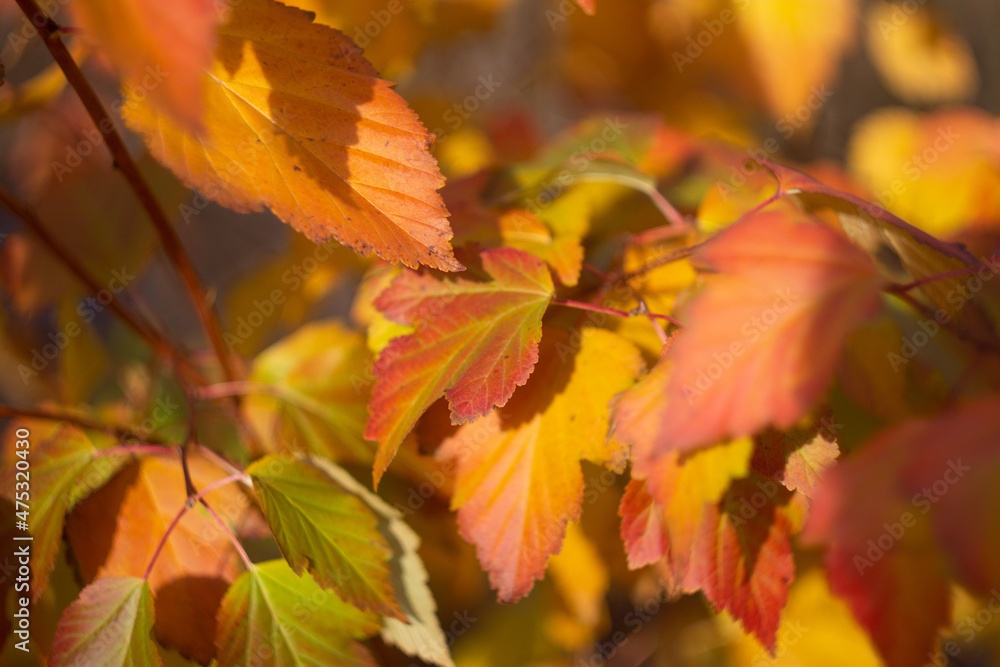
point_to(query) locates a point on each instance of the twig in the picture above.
(119, 430)
(51, 35)
(232, 537)
(133, 450)
(192, 500)
(146, 332)
(579, 305)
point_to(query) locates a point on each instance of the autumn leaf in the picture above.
(109, 624)
(270, 611)
(63, 468)
(765, 332)
(742, 559)
(325, 530)
(643, 530)
(475, 342)
(420, 633)
(161, 49)
(299, 121)
(518, 477)
(560, 248)
(798, 458)
(918, 55)
(116, 530)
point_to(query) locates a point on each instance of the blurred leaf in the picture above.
(321, 379)
(115, 531)
(918, 55)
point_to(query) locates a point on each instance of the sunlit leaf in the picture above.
(475, 342)
(518, 479)
(325, 530)
(299, 121)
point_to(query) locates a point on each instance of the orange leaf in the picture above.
(475, 342)
(764, 334)
(160, 48)
(114, 532)
(643, 530)
(300, 122)
(518, 478)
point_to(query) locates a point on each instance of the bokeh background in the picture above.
(895, 101)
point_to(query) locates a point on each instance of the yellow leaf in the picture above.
(300, 122)
(796, 47)
(518, 477)
(918, 56)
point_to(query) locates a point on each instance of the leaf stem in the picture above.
(662, 260)
(134, 450)
(192, 500)
(51, 35)
(579, 305)
(899, 289)
(232, 537)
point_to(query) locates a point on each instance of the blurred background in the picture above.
(895, 101)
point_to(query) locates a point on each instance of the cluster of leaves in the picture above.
(614, 300)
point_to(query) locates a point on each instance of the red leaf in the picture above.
(764, 334)
(643, 530)
(475, 342)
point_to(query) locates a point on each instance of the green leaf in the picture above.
(271, 616)
(321, 528)
(109, 624)
(420, 634)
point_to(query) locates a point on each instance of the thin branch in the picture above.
(135, 450)
(232, 537)
(119, 430)
(579, 305)
(957, 273)
(145, 331)
(50, 33)
(662, 260)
